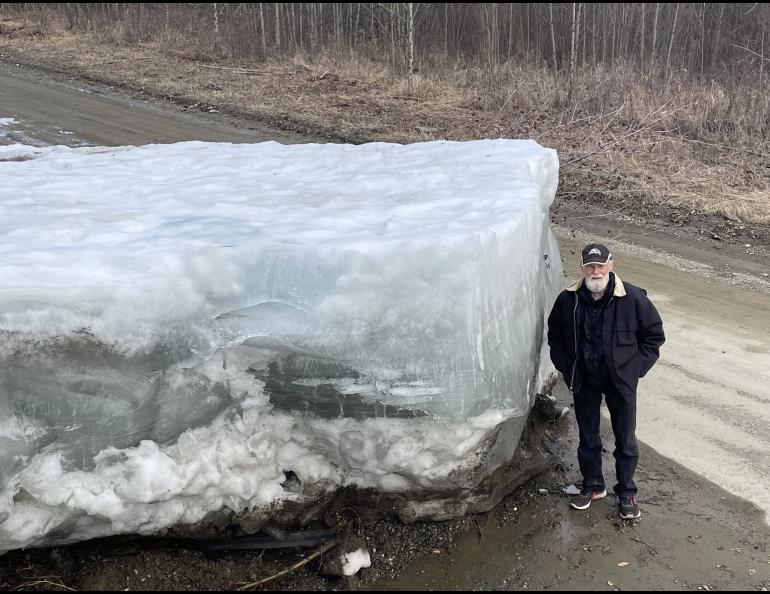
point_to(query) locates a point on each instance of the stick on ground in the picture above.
(318, 553)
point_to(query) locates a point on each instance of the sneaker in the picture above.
(629, 510)
(585, 497)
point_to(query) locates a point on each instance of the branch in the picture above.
(654, 552)
(43, 582)
(601, 149)
(750, 51)
(124, 59)
(643, 126)
(724, 146)
(238, 70)
(318, 553)
(395, 14)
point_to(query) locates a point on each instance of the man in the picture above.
(604, 335)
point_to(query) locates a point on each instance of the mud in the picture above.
(703, 475)
(691, 536)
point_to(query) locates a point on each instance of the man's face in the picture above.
(597, 276)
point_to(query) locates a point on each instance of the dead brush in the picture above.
(669, 174)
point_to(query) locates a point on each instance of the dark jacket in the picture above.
(632, 333)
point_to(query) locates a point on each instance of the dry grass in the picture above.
(727, 188)
(628, 138)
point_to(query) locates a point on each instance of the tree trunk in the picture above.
(614, 31)
(604, 33)
(641, 43)
(291, 29)
(528, 25)
(715, 47)
(217, 38)
(277, 26)
(371, 24)
(593, 36)
(573, 49)
(262, 25)
(553, 37)
(671, 39)
(354, 33)
(393, 39)
(584, 36)
(446, 31)
(703, 38)
(410, 32)
(762, 57)
(350, 29)
(301, 27)
(655, 31)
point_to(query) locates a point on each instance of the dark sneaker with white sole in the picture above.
(629, 510)
(583, 499)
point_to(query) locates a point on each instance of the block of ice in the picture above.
(185, 326)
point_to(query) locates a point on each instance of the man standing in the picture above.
(604, 334)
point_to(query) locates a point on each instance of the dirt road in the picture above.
(703, 411)
(58, 109)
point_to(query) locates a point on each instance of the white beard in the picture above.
(597, 285)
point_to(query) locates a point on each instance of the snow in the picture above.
(4, 123)
(354, 561)
(184, 324)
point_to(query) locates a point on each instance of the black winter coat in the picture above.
(632, 334)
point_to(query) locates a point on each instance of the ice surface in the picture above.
(182, 325)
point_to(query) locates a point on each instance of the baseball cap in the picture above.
(595, 253)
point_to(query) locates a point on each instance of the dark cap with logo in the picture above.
(595, 253)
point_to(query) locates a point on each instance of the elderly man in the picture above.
(604, 335)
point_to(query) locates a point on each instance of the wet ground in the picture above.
(703, 417)
(692, 536)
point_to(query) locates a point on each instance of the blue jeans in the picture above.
(623, 416)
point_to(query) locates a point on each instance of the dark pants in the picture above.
(623, 416)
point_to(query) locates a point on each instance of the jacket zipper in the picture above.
(574, 328)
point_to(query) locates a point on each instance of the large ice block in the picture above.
(182, 325)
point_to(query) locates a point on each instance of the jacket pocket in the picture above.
(625, 338)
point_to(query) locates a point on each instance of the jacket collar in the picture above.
(620, 289)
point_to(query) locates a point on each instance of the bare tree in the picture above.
(217, 34)
(410, 26)
(553, 37)
(717, 40)
(642, 27)
(710, 39)
(655, 30)
(277, 25)
(262, 27)
(671, 39)
(576, 9)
